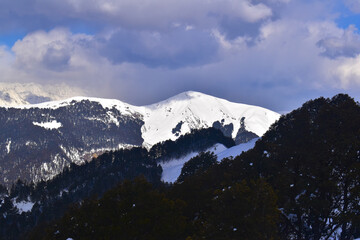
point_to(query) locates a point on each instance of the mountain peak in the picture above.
(192, 94)
(183, 96)
(193, 110)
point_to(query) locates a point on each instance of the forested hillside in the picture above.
(300, 181)
(26, 204)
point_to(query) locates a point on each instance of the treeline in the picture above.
(196, 141)
(300, 181)
(92, 180)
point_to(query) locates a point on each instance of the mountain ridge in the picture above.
(188, 104)
(44, 138)
(14, 94)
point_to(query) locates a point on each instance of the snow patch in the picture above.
(49, 125)
(266, 153)
(172, 168)
(113, 119)
(23, 206)
(8, 146)
(30, 143)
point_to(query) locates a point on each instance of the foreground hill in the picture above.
(38, 141)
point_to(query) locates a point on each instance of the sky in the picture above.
(272, 53)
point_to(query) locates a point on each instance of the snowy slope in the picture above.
(236, 150)
(124, 108)
(197, 110)
(172, 168)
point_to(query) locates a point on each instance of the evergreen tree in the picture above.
(133, 210)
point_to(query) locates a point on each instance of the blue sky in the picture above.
(272, 53)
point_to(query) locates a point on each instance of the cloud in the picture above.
(346, 44)
(58, 49)
(134, 14)
(178, 48)
(273, 53)
(349, 72)
(53, 51)
(353, 5)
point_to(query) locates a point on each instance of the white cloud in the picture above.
(55, 50)
(345, 43)
(348, 71)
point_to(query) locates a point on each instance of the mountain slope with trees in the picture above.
(49, 200)
(311, 158)
(300, 181)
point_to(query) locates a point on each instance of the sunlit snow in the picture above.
(196, 110)
(49, 125)
(124, 108)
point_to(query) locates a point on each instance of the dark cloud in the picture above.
(336, 47)
(234, 27)
(28, 15)
(346, 45)
(132, 14)
(56, 59)
(175, 49)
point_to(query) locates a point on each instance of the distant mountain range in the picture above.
(38, 141)
(14, 94)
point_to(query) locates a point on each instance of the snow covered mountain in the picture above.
(14, 94)
(193, 110)
(38, 141)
